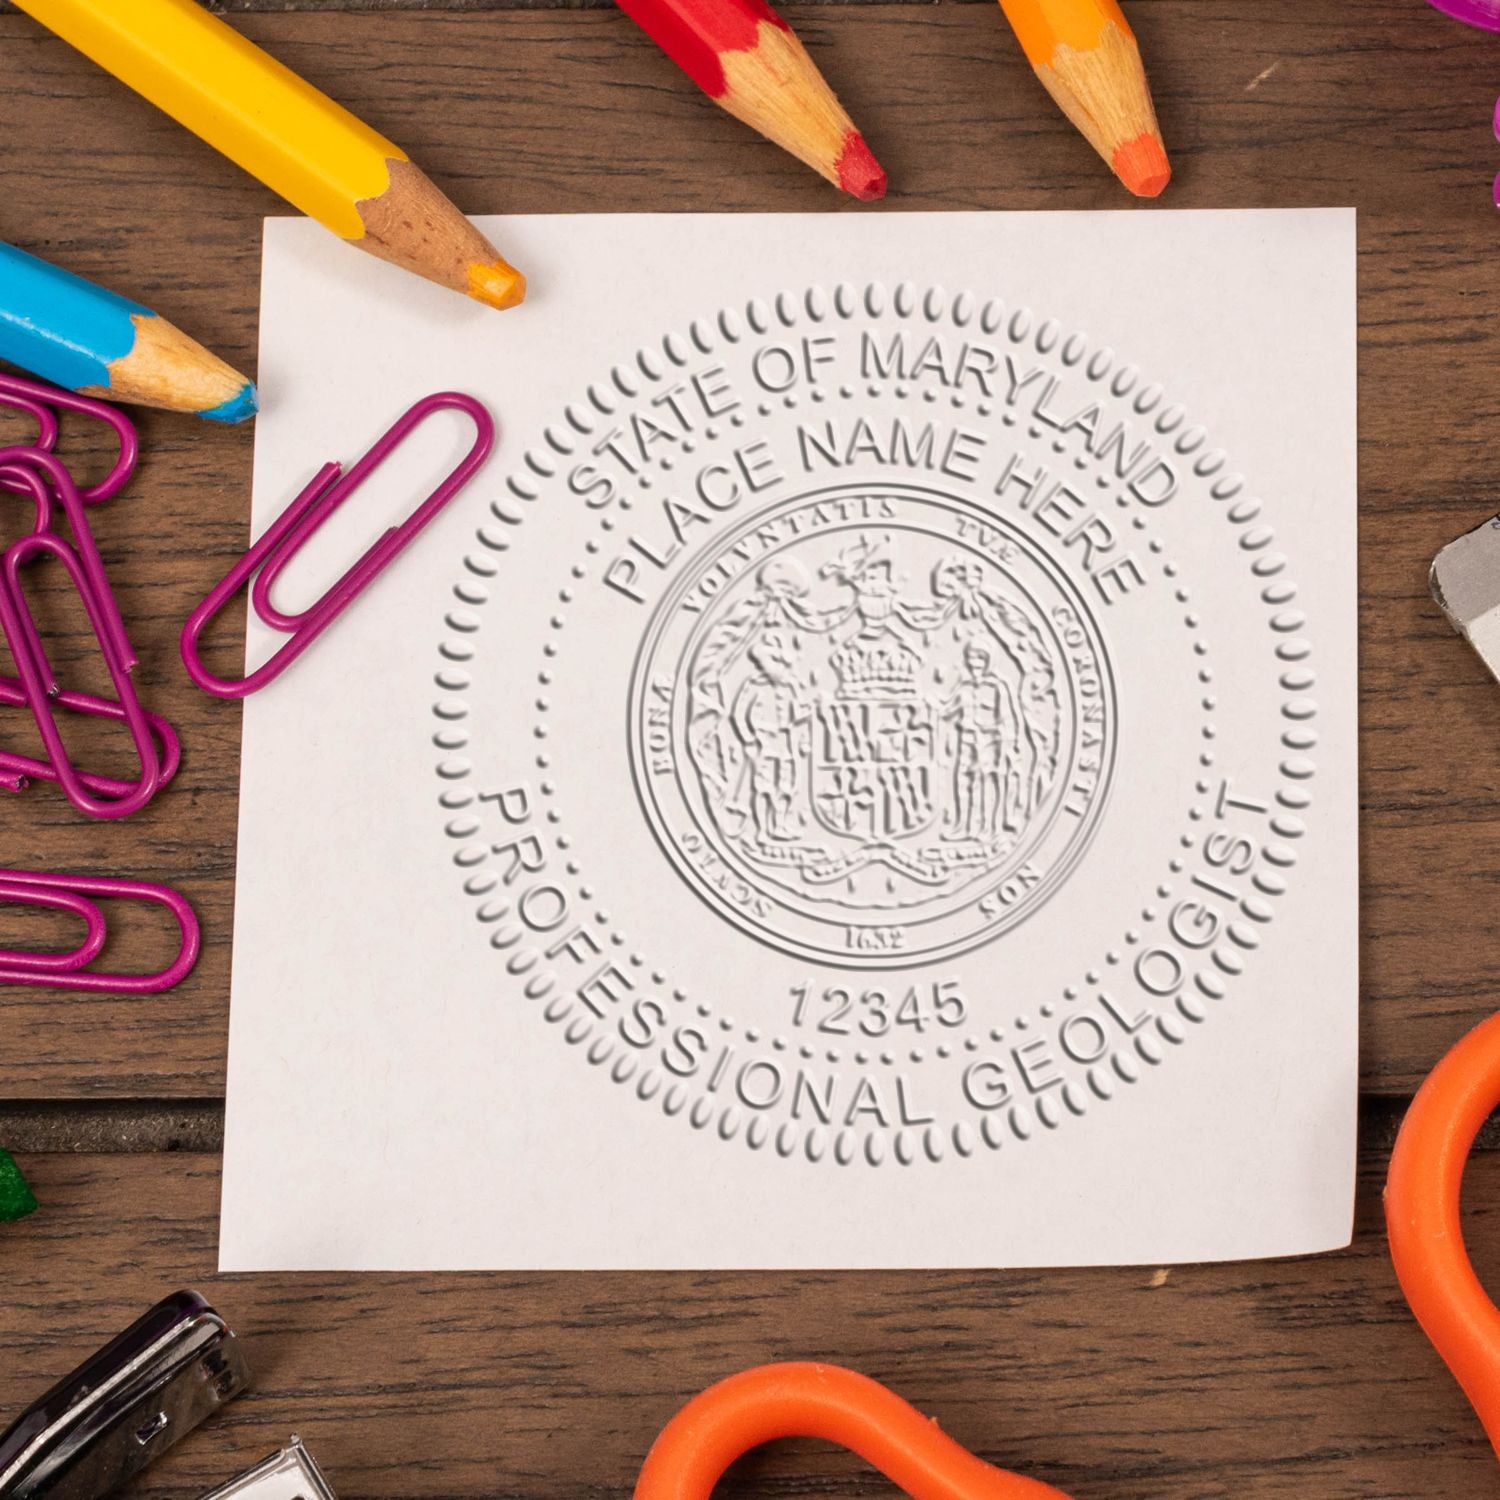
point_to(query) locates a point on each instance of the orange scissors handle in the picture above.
(825, 1401)
(1422, 1217)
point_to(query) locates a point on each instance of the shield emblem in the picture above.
(873, 775)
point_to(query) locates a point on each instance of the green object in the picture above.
(16, 1198)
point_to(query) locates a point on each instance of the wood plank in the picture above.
(1264, 102)
(1297, 1378)
(197, 1125)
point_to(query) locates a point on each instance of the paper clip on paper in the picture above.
(75, 894)
(45, 480)
(296, 526)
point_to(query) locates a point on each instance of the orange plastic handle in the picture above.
(1422, 1217)
(825, 1401)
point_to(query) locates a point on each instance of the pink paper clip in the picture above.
(19, 476)
(329, 488)
(18, 771)
(1481, 13)
(75, 894)
(95, 932)
(39, 472)
(42, 403)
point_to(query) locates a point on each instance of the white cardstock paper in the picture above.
(865, 776)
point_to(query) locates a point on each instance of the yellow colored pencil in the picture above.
(279, 128)
(1086, 57)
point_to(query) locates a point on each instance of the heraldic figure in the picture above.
(986, 753)
(768, 713)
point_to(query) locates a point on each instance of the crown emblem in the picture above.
(881, 668)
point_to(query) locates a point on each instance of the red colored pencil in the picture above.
(744, 56)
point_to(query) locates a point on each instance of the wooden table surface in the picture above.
(1303, 1378)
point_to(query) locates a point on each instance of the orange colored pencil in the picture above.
(1085, 54)
(745, 57)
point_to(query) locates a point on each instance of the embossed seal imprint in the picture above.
(848, 631)
(873, 726)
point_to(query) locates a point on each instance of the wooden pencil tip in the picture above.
(1142, 165)
(858, 171)
(496, 284)
(240, 407)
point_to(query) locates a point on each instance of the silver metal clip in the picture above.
(1466, 583)
(124, 1407)
(288, 1475)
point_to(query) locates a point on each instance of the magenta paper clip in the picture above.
(329, 488)
(38, 683)
(40, 688)
(58, 899)
(77, 894)
(21, 477)
(18, 771)
(1481, 13)
(44, 477)
(1497, 137)
(42, 402)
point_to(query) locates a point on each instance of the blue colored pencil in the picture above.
(80, 336)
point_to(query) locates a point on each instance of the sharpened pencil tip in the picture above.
(240, 407)
(1142, 165)
(859, 173)
(496, 284)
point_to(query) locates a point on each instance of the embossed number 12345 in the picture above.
(875, 1012)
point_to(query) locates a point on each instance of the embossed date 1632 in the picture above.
(874, 1012)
